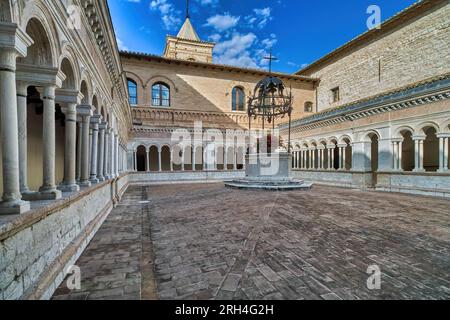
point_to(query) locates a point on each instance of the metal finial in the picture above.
(270, 58)
(187, 10)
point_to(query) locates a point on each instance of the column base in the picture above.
(94, 180)
(443, 171)
(85, 184)
(14, 207)
(43, 195)
(69, 188)
(101, 179)
(419, 170)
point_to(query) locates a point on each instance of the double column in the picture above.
(397, 148)
(443, 152)
(107, 156)
(70, 149)
(418, 153)
(85, 113)
(103, 126)
(9, 50)
(342, 156)
(331, 149)
(95, 121)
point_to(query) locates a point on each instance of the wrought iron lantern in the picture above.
(270, 101)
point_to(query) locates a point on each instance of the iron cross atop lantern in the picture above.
(270, 102)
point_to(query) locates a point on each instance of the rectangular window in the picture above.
(335, 94)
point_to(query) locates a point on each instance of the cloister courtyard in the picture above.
(204, 241)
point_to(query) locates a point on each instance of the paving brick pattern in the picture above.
(209, 242)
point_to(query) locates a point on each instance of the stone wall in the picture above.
(36, 248)
(429, 184)
(418, 50)
(186, 176)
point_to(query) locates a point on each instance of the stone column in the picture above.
(106, 173)
(147, 160)
(443, 152)
(446, 164)
(340, 158)
(79, 150)
(171, 160)
(182, 158)
(159, 160)
(332, 158)
(135, 160)
(23, 142)
(344, 158)
(101, 151)
(70, 149)
(400, 155)
(234, 159)
(330, 162)
(95, 121)
(395, 155)
(11, 198)
(48, 190)
(421, 142)
(111, 154)
(194, 158)
(85, 113)
(116, 155)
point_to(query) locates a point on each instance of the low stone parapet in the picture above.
(37, 247)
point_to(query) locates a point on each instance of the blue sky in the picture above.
(299, 31)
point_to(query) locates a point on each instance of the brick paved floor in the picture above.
(209, 242)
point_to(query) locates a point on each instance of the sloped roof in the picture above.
(188, 32)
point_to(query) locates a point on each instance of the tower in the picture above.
(187, 45)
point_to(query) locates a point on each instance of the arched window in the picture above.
(160, 95)
(238, 99)
(308, 107)
(132, 91)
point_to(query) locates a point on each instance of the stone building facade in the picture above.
(196, 90)
(383, 108)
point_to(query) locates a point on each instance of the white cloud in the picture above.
(169, 15)
(121, 45)
(215, 37)
(208, 2)
(260, 17)
(222, 22)
(236, 51)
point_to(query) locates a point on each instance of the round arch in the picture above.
(398, 132)
(424, 126)
(37, 12)
(161, 78)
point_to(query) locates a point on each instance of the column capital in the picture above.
(96, 119)
(13, 40)
(40, 76)
(69, 96)
(331, 146)
(103, 125)
(419, 137)
(397, 140)
(342, 145)
(443, 135)
(85, 110)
